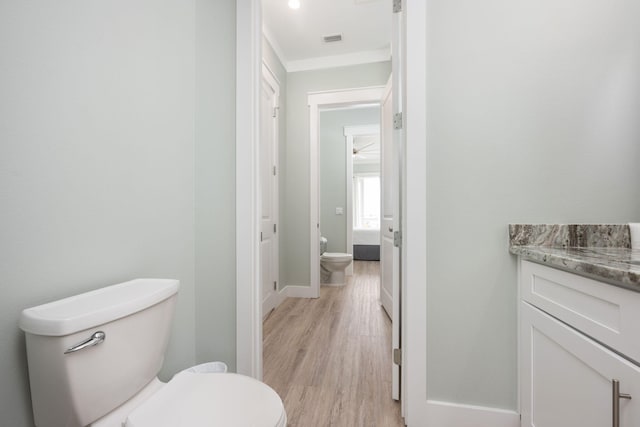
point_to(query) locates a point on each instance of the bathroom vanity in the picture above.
(579, 331)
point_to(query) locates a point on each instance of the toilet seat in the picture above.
(335, 257)
(211, 400)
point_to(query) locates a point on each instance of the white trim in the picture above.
(272, 302)
(266, 33)
(297, 292)
(288, 292)
(269, 79)
(273, 76)
(357, 58)
(248, 77)
(519, 341)
(349, 133)
(349, 192)
(414, 248)
(445, 414)
(318, 101)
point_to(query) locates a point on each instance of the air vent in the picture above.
(332, 38)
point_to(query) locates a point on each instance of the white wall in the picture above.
(333, 170)
(98, 180)
(296, 212)
(532, 117)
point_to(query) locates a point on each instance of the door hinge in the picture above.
(397, 6)
(397, 238)
(397, 356)
(275, 285)
(261, 236)
(275, 170)
(397, 121)
(275, 112)
(274, 228)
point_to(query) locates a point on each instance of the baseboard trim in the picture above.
(446, 414)
(297, 292)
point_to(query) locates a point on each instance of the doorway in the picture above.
(317, 103)
(249, 316)
(363, 161)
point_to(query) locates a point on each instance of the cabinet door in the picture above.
(567, 377)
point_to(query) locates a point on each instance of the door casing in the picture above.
(323, 101)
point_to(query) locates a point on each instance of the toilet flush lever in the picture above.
(95, 339)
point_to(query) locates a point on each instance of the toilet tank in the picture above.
(75, 388)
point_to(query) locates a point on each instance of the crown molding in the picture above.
(357, 58)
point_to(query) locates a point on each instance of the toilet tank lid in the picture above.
(84, 311)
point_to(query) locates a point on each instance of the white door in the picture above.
(567, 378)
(269, 93)
(390, 226)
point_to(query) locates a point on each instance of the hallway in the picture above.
(330, 358)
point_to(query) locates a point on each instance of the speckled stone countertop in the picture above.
(602, 252)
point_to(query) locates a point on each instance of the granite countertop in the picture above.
(602, 252)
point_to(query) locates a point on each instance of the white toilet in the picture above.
(333, 265)
(93, 360)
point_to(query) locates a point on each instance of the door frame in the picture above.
(248, 295)
(349, 133)
(414, 249)
(317, 102)
(414, 214)
(270, 78)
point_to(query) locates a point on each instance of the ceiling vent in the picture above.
(332, 38)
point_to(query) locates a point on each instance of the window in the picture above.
(366, 201)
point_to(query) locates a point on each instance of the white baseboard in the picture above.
(297, 292)
(445, 414)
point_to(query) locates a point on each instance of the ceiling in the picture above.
(296, 35)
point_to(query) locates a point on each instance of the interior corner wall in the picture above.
(96, 163)
(295, 215)
(215, 174)
(274, 64)
(333, 170)
(532, 116)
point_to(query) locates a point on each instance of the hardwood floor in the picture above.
(329, 358)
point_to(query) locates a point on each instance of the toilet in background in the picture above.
(93, 360)
(333, 265)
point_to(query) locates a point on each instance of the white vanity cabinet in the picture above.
(578, 340)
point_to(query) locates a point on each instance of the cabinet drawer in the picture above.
(604, 312)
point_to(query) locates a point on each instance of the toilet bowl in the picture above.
(332, 267)
(94, 358)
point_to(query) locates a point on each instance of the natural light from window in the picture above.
(366, 202)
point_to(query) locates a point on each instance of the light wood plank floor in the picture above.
(329, 358)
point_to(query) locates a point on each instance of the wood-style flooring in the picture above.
(329, 358)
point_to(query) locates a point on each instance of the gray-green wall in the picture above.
(532, 117)
(103, 110)
(333, 170)
(295, 218)
(215, 155)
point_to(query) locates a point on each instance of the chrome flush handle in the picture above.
(95, 339)
(616, 401)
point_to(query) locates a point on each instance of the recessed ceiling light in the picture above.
(294, 4)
